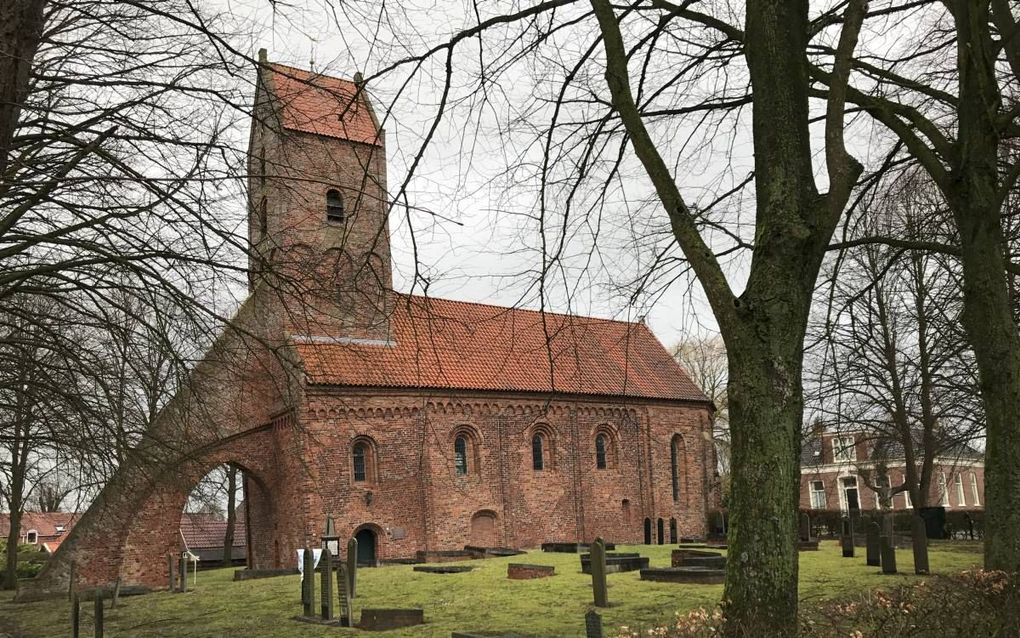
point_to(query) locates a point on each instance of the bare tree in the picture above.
(704, 359)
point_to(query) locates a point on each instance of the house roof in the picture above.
(45, 523)
(321, 104)
(811, 452)
(201, 531)
(456, 345)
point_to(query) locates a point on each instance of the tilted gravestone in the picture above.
(848, 537)
(326, 560)
(352, 567)
(344, 595)
(308, 583)
(874, 557)
(598, 573)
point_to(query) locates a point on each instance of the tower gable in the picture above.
(317, 225)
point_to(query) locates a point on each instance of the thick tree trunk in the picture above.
(228, 536)
(21, 24)
(974, 195)
(766, 409)
(11, 555)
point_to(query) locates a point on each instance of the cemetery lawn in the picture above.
(482, 599)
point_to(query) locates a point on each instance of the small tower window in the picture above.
(460, 455)
(600, 451)
(334, 206)
(537, 460)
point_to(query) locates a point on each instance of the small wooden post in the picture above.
(308, 583)
(99, 613)
(75, 616)
(172, 585)
(352, 567)
(184, 572)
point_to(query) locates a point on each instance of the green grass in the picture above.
(479, 600)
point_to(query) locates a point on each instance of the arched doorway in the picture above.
(366, 547)
(483, 529)
(648, 531)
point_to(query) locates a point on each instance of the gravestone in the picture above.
(326, 560)
(75, 615)
(184, 572)
(805, 527)
(99, 613)
(598, 573)
(308, 583)
(592, 624)
(920, 545)
(888, 549)
(847, 537)
(874, 557)
(352, 567)
(344, 595)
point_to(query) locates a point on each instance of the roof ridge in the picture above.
(531, 310)
(309, 72)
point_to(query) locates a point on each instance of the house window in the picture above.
(31, 537)
(961, 498)
(59, 529)
(817, 495)
(334, 206)
(943, 486)
(843, 449)
(881, 485)
(460, 455)
(600, 451)
(674, 463)
(974, 489)
(537, 449)
(360, 470)
(851, 501)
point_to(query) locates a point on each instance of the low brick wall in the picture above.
(696, 558)
(617, 562)
(386, 619)
(691, 575)
(523, 571)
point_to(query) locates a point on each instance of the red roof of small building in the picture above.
(202, 531)
(44, 523)
(456, 345)
(321, 104)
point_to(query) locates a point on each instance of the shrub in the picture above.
(29, 570)
(972, 603)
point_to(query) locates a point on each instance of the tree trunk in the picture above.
(228, 536)
(11, 562)
(975, 199)
(21, 24)
(766, 409)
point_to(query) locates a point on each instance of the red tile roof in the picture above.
(203, 531)
(445, 344)
(320, 104)
(45, 523)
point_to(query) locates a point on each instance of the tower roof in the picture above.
(456, 345)
(321, 104)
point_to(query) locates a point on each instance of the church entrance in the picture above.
(366, 547)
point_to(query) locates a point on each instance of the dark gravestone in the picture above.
(874, 556)
(805, 527)
(308, 583)
(592, 624)
(920, 545)
(343, 595)
(387, 619)
(184, 572)
(847, 538)
(442, 569)
(99, 614)
(327, 584)
(888, 555)
(689, 575)
(616, 562)
(75, 616)
(598, 573)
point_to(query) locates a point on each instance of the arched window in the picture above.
(460, 448)
(661, 529)
(537, 452)
(600, 451)
(674, 464)
(334, 206)
(672, 530)
(359, 454)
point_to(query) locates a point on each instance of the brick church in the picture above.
(419, 424)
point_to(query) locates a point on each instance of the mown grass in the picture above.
(482, 599)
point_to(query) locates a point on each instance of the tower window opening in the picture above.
(334, 206)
